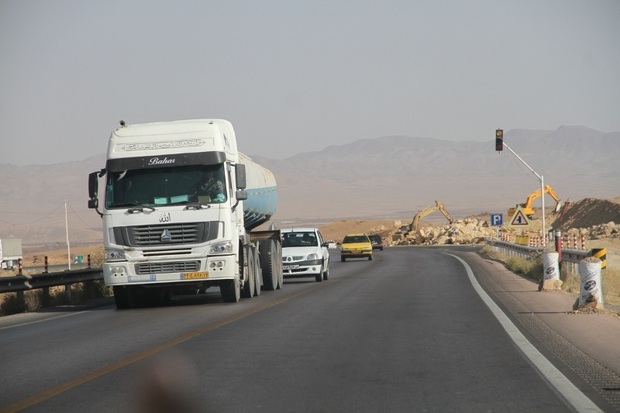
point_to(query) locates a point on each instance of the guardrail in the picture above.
(571, 256)
(20, 283)
(511, 249)
(16, 283)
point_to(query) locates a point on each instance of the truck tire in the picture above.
(326, 272)
(129, 296)
(258, 273)
(122, 297)
(249, 272)
(279, 270)
(231, 290)
(268, 256)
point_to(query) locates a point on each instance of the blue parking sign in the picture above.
(497, 220)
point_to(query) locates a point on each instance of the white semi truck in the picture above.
(180, 209)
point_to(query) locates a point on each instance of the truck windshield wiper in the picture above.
(197, 205)
(140, 208)
(134, 207)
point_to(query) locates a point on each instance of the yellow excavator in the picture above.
(415, 224)
(527, 206)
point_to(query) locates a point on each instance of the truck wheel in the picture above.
(370, 257)
(258, 273)
(326, 272)
(279, 270)
(343, 259)
(268, 256)
(249, 272)
(231, 290)
(122, 297)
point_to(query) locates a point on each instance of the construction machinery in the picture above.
(415, 224)
(527, 205)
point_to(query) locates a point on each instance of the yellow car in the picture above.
(356, 246)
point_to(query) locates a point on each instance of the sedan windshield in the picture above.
(166, 186)
(354, 239)
(299, 239)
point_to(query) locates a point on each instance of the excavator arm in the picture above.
(415, 224)
(527, 206)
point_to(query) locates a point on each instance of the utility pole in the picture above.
(499, 145)
(67, 237)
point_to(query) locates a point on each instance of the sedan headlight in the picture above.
(114, 255)
(221, 248)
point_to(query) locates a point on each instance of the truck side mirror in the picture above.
(240, 176)
(241, 194)
(93, 190)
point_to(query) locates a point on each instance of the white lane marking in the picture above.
(579, 401)
(40, 321)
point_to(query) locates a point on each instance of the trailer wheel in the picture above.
(268, 258)
(258, 273)
(279, 270)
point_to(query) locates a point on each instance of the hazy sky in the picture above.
(298, 76)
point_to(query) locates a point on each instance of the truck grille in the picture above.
(166, 234)
(166, 267)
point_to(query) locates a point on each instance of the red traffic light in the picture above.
(499, 140)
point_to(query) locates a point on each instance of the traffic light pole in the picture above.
(542, 191)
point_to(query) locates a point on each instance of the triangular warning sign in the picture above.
(519, 220)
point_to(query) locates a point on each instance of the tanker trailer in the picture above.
(180, 212)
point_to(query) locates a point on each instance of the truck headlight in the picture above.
(221, 248)
(312, 256)
(114, 255)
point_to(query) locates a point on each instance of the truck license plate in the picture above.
(195, 275)
(290, 267)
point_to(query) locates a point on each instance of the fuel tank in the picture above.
(262, 193)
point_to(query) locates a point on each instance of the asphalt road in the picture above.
(406, 332)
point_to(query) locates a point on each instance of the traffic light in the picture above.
(499, 140)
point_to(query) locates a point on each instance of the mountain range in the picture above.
(386, 177)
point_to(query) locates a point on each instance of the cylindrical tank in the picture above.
(262, 193)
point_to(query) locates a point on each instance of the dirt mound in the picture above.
(588, 212)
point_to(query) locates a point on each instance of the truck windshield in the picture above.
(166, 186)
